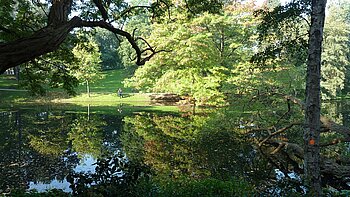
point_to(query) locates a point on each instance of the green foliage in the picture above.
(271, 4)
(108, 46)
(195, 147)
(15, 13)
(335, 54)
(199, 55)
(140, 25)
(164, 143)
(196, 187)
(283, 43)
(20, 19)
(52, 70)
(211, 6)
(88, 60)
(86, 135)
(282, 35)
(114, 176)
(88, 57)
(33, 193)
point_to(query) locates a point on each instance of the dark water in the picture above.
(41, 145)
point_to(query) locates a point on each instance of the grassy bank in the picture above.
(103, 90)
(103, 94)
(111, 81)
(106, 98)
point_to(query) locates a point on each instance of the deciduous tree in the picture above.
(89, 63)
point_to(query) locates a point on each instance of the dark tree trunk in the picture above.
(17, 72)
(312, 104)
(59, 12)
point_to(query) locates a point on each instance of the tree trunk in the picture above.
(17, 72)
(312, 103)
(87, 88)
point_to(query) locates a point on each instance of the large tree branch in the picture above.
(140, 60)
(334, 171)
(49, 38)
(279, 131)
(42, 42)
(280, 151)
(8, 31)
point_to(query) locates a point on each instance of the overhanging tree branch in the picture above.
(140, 60)
(43, 41)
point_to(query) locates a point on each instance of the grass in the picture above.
(103, 96)
(13, 97)
(8, 82)
(107, 97)
(109, 84)
(104, 92)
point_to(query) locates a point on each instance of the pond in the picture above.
(42, 146)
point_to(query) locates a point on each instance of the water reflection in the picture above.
(198, 147)
(40, 146)
(85, 165)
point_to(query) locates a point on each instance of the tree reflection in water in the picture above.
(196, 147)
(39, 146)
(42, 145)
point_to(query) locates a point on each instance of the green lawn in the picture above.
(102, 91)
(109, 84)
(107, 99)
(103, 94)
(8, 82)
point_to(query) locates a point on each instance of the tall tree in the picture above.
(313, 100)
(336, 51)
(201, 54)
(108, 45)
(89, 59)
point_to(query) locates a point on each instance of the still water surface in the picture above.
(41, 145)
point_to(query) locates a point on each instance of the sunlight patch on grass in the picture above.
(110, 99)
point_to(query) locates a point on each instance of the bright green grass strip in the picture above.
(136, 102)
(106, 98)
